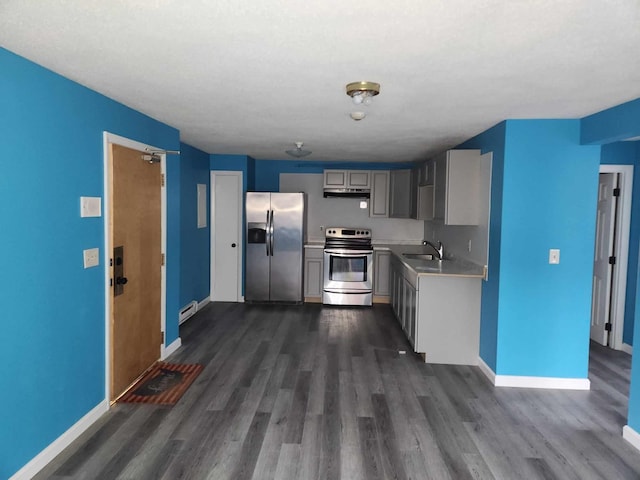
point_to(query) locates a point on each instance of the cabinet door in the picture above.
(313, 273)
(358, 179)
(381, 279)
(313, 278)
(335, 179)
(425, 202)
(440, 187)
(411, 320)
(400, 193)
(379, 201)
(463, 178)
(414, 178)
(457, 178)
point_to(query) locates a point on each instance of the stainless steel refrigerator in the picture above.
(274, 248)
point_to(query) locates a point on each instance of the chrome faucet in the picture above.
(439, 249)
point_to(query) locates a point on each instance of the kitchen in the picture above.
(355, 266)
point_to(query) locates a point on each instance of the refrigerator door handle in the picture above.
(267, 235)
(271, 232)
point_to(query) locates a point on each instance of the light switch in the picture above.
(91, 257)
(90, 206)
(554, 256)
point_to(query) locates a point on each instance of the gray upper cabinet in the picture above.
(404, 195)
(400, 204)
(379, 199)
(347, 179)
(456, 188)
(425, 202)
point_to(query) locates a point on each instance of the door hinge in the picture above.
(111, 282)
(607, 326)
(162, 336)
(612, 260)
(616, 192)
(162, 259)
(162, 179)
(111, 262)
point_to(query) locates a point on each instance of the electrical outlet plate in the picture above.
(91, 257)
(554, 256)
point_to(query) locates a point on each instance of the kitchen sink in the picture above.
(418, 256)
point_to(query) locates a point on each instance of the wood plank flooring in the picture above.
(306, 392)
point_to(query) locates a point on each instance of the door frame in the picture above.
(108, 248)
(621, 247)
(212, 243)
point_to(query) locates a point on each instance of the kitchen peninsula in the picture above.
(437, 304)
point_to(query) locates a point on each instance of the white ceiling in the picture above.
(251, 77)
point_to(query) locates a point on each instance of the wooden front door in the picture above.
(136, 238)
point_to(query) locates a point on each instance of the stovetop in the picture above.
(347, 238)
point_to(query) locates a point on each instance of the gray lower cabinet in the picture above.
(313, 273)
(403, 302)
(381, 275)
(440, 315)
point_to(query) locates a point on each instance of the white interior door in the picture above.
(226, 236)
(605, 223)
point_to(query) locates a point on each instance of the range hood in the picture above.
(347, 192)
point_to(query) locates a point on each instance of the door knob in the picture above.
(233, 245)
(121, 280)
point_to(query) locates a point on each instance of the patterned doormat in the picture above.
(164, 384)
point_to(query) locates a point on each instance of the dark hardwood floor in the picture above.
(305, 392)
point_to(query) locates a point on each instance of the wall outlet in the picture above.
(554, 256)
(322, 228)
(91, 257)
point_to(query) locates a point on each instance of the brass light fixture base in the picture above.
(371, 88)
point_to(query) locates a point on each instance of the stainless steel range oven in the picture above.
(348, 266)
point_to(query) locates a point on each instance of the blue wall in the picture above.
(628, 153)
(608, 126)
(235, 163)
(491, 141)
(194, 241)
(52, 361)
(548, 201)
(615, 123)
(535, 316)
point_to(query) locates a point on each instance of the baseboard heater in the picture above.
(187, 311)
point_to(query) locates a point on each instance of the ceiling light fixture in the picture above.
(298, 152)
(358, 115)
(363, 92)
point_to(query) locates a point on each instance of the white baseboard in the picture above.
(169, 349)
(486, 369)
(38, 462)
(543, 382)
(533, 382)
(626, 348)
(203, 303)
(631, 436)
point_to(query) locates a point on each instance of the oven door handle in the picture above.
(347, 253)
